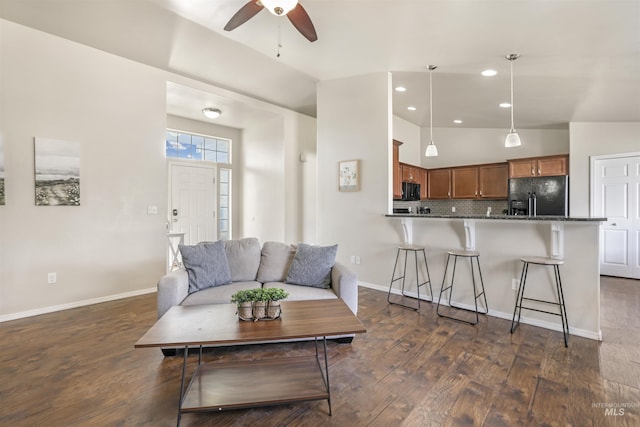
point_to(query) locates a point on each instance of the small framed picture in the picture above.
(349, 175)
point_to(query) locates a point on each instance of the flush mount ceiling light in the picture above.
(279, 7)
(411, 108)
(401, 89)
(211, 113)
(457, 121)
(512, 139)
(489, 73)
(505, 105)
(432, 150)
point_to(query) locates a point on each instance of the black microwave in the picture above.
(410, 191)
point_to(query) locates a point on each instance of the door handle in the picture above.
(175, 212)
(614, 224)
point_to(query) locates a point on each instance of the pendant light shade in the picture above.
(279, 7)
(432, 150)
(512, 139)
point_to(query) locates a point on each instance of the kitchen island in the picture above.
(501, 241)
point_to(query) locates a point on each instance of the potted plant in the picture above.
(244, 301)
(260, 299)
(275, 295)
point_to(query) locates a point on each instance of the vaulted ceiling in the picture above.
(580, 60)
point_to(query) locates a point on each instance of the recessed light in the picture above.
(411, 108)
(505, 105)
(457, 121)
(489, 73)
(401, 89)
(211, 113)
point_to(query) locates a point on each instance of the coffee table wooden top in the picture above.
(218, 324)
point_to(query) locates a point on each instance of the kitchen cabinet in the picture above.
(422, 174)
(493, 181)
(439, 183)
(397, 172)
(539, 166)
(464, 182)
(410, 173)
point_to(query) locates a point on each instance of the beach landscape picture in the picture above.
(57, 167)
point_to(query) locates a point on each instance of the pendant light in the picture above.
(512, 139)
(432, 150)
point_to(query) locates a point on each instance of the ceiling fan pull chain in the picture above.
(279, 41)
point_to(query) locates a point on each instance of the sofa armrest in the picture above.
(172, 289)
(344, 283)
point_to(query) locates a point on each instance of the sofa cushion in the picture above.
(275, 261)
(206, 265)
(218, 294)
(302, 293)
(243, 256)
(311, 265)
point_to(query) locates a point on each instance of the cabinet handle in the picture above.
(533, 172)
(538, 171)
(481, 192)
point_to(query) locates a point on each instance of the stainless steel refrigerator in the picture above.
(539, 196)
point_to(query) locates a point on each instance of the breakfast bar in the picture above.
(502, 240)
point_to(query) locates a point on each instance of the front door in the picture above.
(617, 197)
(192, 208)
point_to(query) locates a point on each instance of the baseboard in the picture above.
(508, 316)
(76, 304)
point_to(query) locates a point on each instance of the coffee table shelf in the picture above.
(232, 385)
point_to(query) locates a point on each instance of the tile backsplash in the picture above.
(463, 207)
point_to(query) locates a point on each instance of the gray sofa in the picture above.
(274, 264)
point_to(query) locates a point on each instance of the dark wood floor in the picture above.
(79, 367)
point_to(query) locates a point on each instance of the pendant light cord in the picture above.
(511, 63)
(431, 106)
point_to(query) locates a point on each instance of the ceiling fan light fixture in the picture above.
(279, 7)
(512, 139)
(211, 113)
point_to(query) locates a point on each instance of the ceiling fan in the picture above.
(294, 11)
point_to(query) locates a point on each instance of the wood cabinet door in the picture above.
(553, 166)
(409, 173)
(493, 181)
(397, 173)
(464, 183)
(422, 175)
(439, 183)
(522, 168)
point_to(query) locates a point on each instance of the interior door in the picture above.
(192, 208)
(616, 196)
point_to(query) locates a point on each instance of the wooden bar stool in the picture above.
(471, 255)
(562, 311)
(406, 249)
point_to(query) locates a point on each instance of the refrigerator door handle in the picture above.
(529, 207)
(535, 204)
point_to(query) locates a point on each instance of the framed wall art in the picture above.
(349, 175)
(57, 170)
(1, 174)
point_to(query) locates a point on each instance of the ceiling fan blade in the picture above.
(300, 19)
(245, 13)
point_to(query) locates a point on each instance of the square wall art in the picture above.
(57, 167)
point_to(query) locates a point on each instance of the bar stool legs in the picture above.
(406, 249)
(562, 310)
(471, 255)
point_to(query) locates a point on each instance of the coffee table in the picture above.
(242, 384)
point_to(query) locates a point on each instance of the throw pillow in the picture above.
(206, 265)
(243, 256)
(275, 261)
(311, 265)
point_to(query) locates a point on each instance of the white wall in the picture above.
(409, 135)
(468, 146)
(115, 109)
(592, 139)
(354, 122)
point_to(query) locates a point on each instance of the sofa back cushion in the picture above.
(206, 265)
(311, 266)
(275, 261)
(243, 256)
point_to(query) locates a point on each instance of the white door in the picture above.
(192, 208)
(616, 197)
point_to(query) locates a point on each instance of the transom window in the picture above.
(197, 147)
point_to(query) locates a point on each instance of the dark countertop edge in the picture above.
(502, 217)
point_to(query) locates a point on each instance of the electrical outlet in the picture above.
(514, 284)
(453, 209)
(357, 260)
(353, 259)
(152, 210)
(52, 278)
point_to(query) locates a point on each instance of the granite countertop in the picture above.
(501, 217)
